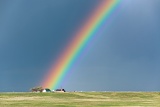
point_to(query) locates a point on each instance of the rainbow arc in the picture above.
(91, 26)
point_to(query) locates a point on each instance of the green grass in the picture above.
(81, 99)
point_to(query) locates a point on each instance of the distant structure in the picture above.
(46, 90)
(57, 90)
(60, 90)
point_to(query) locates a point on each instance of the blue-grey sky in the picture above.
(125, 57)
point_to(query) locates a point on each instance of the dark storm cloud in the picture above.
(125, 57)
(32, 33)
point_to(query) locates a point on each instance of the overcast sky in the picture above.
(125, 57)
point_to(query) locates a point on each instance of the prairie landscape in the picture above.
(81, 99)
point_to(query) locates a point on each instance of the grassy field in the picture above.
(81, 99)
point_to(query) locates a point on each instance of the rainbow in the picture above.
(75, 47)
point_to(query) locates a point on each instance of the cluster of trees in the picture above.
(37, 89)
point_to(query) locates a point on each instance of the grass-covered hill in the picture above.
(81, 99)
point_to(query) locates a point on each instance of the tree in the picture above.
(37, 89)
